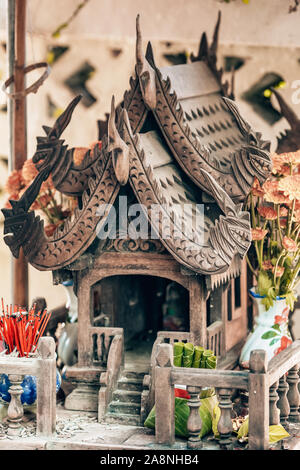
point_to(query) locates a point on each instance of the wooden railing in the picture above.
(148, 393)
(215, 337)
(272, 397)
(214, 342)
(43, 366)
(109, 378)
(100, 340)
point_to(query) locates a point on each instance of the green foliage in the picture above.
(264, 283)
(269, 334)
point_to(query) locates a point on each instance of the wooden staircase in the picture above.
(125, 407)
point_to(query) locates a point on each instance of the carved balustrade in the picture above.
(272, 389)
(43, 366)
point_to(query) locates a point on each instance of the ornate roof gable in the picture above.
(203, 128)
(155, 177)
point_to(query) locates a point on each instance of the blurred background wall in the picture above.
(95, 54)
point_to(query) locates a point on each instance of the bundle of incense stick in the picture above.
(21, 330)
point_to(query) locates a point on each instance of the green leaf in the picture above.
(269, 334)
(276, 327)
(274, 341)
(264, 283)
(276, 433)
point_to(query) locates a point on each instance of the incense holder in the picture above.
(28, 396)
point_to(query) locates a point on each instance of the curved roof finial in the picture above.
(118, 148)
(145, 72)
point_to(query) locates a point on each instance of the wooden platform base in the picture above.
(85, 433)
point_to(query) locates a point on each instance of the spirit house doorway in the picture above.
(142, 305)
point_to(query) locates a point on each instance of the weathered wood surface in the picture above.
(273, 410)
(258, 401)
(293, 393)
(284, 361)
(210, 378)
(43, 366)
(15, 410)
(164, 396)
(225, 424)
(283, 403)
(46, 388)
(194, 422)
(109, 378)
(20, 365)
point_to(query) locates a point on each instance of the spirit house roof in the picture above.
(175, 143)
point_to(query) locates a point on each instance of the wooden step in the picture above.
(131, 420)
(124, 407)
(133, 374)
(131, 396)
(130, 384)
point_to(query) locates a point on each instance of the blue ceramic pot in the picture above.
(28, 396)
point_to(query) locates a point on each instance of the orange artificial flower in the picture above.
(289, 244)
(273, 194)
(15, 182)
(290, 186)
(267, 265)
(79, 154)
(283, 212)
(283, 223)
(50, 229)
(96, 142)
(14, 197)
(267, 212)
(279, 271)
(29, 171)
(258, 233)
(257, 189)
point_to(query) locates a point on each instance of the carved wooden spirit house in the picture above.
(178, 144)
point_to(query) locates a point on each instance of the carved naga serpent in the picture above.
(51, 152)
(25, 229)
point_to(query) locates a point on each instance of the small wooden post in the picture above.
(258, 401)
(164, 396)
(15, 410)
(194, 422)
(273, 410)
(225, 424)
(283, 403)
(46, 388)
(293, 394)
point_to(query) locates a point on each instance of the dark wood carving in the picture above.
(123, 158)
(51, 152)
(218, 125)
(289, 140)
(228, 236)
(208, 54)
(23, 228)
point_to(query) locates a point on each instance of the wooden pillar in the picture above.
(20, 266)
(198, 325)
(46, 388)
(258, 401)
(164, 396)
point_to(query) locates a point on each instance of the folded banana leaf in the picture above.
(178, 353)
(197, 356)
(276, 432)
(211, 362)
(188, 355)
(182, 412)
